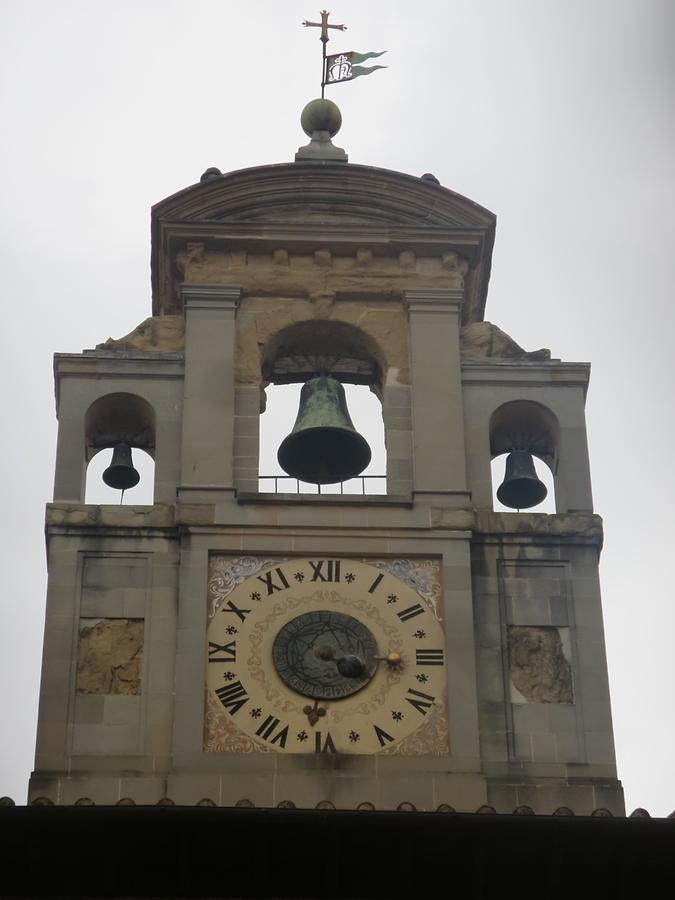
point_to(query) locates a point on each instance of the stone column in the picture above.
(437, 414)
(208, 404)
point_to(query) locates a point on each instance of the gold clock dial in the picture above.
(324, 655)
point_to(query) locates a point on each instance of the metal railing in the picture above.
(285, 484)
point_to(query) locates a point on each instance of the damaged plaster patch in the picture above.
(109, 656)
(539, 668)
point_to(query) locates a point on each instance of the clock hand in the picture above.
(350, 665)
(314, 713)
(393, 659)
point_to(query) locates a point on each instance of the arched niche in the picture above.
(110, 420)
(304, 349)
(301, 351)
(526, 425)
(119, 417)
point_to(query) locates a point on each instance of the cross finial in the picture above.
(324, 26)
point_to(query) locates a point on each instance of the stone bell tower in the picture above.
(240, 646)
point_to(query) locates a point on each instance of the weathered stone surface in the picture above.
(160, 515)
(109, 656)
(156, 333)
(537, 664)
(586, 526)
(452, 519)
(261, 318)
(381, 277)
(481, 340)
(195, 513)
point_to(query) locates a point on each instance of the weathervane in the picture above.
(340, 66)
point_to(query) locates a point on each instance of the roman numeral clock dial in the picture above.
(324, 655)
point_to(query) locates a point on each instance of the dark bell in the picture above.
(323, 447)
(121, 474)
(521, 487)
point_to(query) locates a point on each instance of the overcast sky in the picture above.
(557, 115)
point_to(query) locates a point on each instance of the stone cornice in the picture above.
(424, 300)
(329, 205)
(210, 296)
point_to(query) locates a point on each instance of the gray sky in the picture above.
(558, 116)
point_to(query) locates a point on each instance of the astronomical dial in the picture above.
(324, 655)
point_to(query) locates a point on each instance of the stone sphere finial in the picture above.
(321, 115)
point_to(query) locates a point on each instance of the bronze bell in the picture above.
(323, 447)
(121, 474)
(521, 487)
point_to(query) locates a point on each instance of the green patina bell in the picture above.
(323, 447)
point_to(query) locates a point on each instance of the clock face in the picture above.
(325, 656)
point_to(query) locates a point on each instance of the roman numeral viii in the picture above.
(429, 657)
(232, 696)
(222, 653)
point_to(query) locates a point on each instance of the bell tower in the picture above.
(408, 649)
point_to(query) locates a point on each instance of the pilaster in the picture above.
(208, 404)
(438, 426)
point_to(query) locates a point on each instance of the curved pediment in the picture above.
(305, 207)
(323, 193)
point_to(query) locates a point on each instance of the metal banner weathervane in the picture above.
(340, 66)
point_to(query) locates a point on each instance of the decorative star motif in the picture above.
(231, 629)
(255, 713)
(422, 678)
(354, 736)
(299, 576)
(419, 634)
(228, 676)
(302, 736)
(349, 577)
(392, 598)
(397, 716)
(255, 596)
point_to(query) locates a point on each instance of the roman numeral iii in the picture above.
(425, 657)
